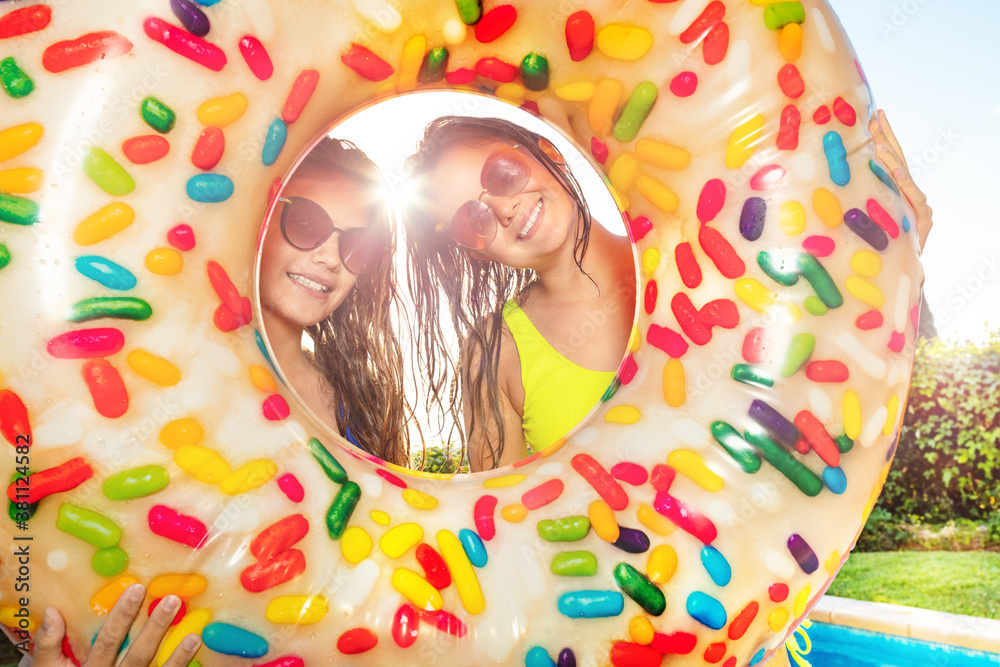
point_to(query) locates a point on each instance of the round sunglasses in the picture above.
(505, 173)
(306, 226)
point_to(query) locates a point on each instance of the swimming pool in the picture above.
(841, 646)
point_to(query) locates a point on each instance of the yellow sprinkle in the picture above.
(777, 618)
(409, 64)
(103, 224)
(650, 260)
(184, 585)
(581, 91)
(401, 539)
(194, 622)
(865, 291)
(827, 207)
(662, 154)
(655, 521)
(866, 263)
(761, 299)
(602, 520)
(21, 181)
(623, 414)
(514, 513)
(634, 341)
(890, 419)
(657, 193)
(505, 481)
(298, 609)
(692, 466)
(417, 473)
(641, 630)
(419, 500)
(792, 218)
(662, 564)
(790, 42)
(355, 544)
(624, 42)
(164, 261)
(106, 597)
(462, 572)
(624, 172)
(153, 368)
(511, 92)
(222, 110)
(800, 601)
(251, 476)
(674, 391)
(8, 618)
(744, 140)
(203, 464)
(262, 379)
(15, 140)
(852, 414)
(417, 590)
(380, 517)
(603, 105)
(832, 563)
(186, 431)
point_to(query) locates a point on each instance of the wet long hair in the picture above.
(473, 289)
(356, 348)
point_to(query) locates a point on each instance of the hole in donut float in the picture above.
(460, 283)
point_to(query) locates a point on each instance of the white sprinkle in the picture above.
(823, 29)
(873, 429)
(381, 13)
(869, 362)
(899, 315)
(358, 587)
(690, 433)
(551, 470)
(57, 560)
(686, 14)
(371, 485)
(780, 564)
(586, 437)
(821, 405)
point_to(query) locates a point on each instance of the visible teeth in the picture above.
(531, 221)
(311, 284)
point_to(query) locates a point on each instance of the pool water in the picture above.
(840, 646)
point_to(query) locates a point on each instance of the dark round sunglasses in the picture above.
(306, 226)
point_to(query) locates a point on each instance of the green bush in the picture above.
(439, 458)
(947, 464)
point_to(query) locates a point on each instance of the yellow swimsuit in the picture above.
(557, 392)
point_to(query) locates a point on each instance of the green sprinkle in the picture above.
(796, 473)
(470, 11)
(116, 307)
(844, 444)
(780, 14)
(736, 446)
(645, 593)
(325, 459)
(611, 390)
(89, 526)
(819, 278)
(747, 375)
(109, 562)
(779, 266)
(799, 349)
(15, 81)
(636, 110)
(102, 169)
(535, 72)
(136, 483)
(341, 509)
(13, 512)
(4, 256)
(157, 115)
(434, 65)
(17, 210)
(570, 529)
(815, 306)
(574, 564)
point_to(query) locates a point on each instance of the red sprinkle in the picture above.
(543, 494)
(256, 57)
(719, 313)
(721, 252)
(495, 23)
(743, 620)
(677, 643)
(667, 340)
(177, 617)
(358, 640)
(285, 661)
(687, 319)
(226, 320)
(639, 227)
(291, 487)
(649, 299)
(630, 473)
(827, 371)
(82, 344)
(366, 63)
(67, 651)
(435, 569)
(25, 20)
(897, 341)
(64, 477)
(180, 528)
(496, 70)
(802, 447)
(687, 265)
(83, 50)
(405, 626)
(482, 513)
(209, 148)
(629, 654)
(915, 314)
(181, 237)
(445, 621)
(844, 112)
(106, 388)
(822, 115)
(707, 20)
(685, 517)
(283, 567)
(275, 408)
(224, 287)
(461, 76)
(599, 150)
(716, 44)
(715, 652)
(302, 90)
(711, 200)
(580, 35)
(819, 246)
(788, 130)
(185, 44)
(14, 418)
(279, 536)
(882, 218)
(684, 84)
(628, 370)
(790, 81)
(818, 438)
(392, 479)
(663, 477)
(871, 320)
(610, 490)
(755, 346)
(145, 149)
(778, 592)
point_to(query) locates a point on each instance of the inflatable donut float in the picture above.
(694, 518)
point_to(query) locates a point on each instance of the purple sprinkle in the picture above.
(752, 218)
(782, 430)
(566, 658)
(865, 227)
(191, 17)
(632, 541)
(803, 554)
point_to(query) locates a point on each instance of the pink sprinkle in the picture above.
(871, 320)
(684, 84)
(667, 340)
(180, 528)
(628, 370)
(483, 515)
(882, 218)
(256, 57)
(392, 479)
(630, 473)
(291, 487)
(755, 346)
(276, 408)
(86, 344)
(819, 246)
(185, 44)
(599, 150)
(915, 314)
(768, 178)
(181, 237)
(662, 477)
(543, 494)
(897, 341)
(711, 200)
(639, 227)
(302, 90)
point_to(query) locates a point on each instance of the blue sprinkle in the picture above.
(906, 224)
(706, 610)
(537, 657)
(231, 640)
(592, 604)
(274, 142)
(207, 3)
(717, 566)
(883, 176)
(836, 158)
(757, 657)
(835, 480)
(474, 547)
(104, 271)
(209, 188)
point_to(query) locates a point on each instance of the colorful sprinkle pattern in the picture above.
(775, 334)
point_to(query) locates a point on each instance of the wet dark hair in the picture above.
(475, 289)
(356, 348)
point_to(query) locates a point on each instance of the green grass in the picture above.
(9, 656)
(955, 582)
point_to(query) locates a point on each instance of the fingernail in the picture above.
(136, 592)
(191, 642)
(171, 603)
(48, 618)
(899, 173)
